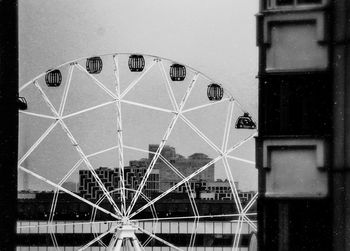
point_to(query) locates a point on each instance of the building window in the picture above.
(309, 1)
(284, 2)
(295, 105)
(276, 4)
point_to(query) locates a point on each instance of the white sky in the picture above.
(216, 37)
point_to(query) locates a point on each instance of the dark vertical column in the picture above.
(9, 123)
(341, 125)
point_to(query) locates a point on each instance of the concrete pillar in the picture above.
(8, 126)
(341, 125)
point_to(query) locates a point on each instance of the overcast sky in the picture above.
(217, 37)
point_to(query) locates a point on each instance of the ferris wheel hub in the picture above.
(125, 220)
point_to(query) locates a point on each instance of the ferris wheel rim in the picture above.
(194, 70)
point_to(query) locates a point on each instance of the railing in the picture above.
(164, 227)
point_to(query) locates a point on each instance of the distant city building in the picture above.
(90, 189)
(215, 190)
(88, 186)
(186, 166)
(26, 195)
(133, 177)
(168, 152)
(246, 196)
(162, 177)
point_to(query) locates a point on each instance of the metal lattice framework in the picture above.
(125, 224)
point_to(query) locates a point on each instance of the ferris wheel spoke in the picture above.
(56, 193)
(163, 142)
(78, 149)
(89, 165)
(227, 126)
(102, 151)
(66, 90)
(76, 165)
(193, 234)
(47, 181)
(168, 87)
(99, 237)
(120, 136)
(250, 223)
(158, 238)
(200, 134)
(149, 239)
(38, 115)
(46, 100)
(237, 234)
(191, 198)
(28, 83)
(102, 86)
(137, 80)
(188, 187)
(206, 105)
(241, 159)
(119, 209)
(52, 210)
(175, 186)
(151, 165)
(251, 203)
(146, 106)
(231, 149)
(232, 185)
(88, 109)
(213, 161)
(37, 143)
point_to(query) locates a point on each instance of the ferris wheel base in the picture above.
(124, 238)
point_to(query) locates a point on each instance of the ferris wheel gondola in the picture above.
(177, 72)
(53, 78)
(136, 63)
(215, 92)
(94, 65)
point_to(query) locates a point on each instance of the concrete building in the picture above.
(304, 108)
(26, 195)
(89, 188)
(221, 189)
(186, 166)
(162, 178)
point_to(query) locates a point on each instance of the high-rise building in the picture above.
(162, 178)
(88, 185)
(186, 166)
(303, 144)
(133, 175)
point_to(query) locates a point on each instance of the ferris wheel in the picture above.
(119, 126)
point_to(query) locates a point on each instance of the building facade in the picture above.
(89, 188)
(186, 166)
(162, 178)
(303, 119)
